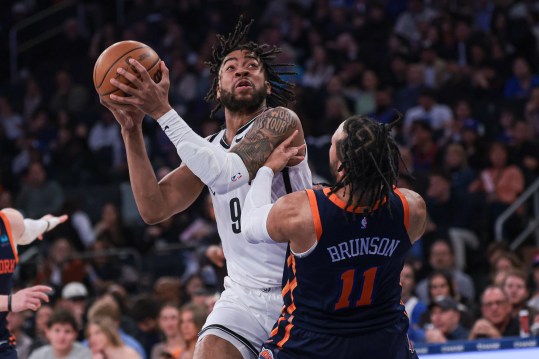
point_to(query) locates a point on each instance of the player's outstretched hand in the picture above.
(145, 94)
(284, 153)
(30, 298)
(53, 222)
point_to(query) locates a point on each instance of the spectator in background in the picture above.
(318, 69)
(455, 162)
(39, 195)
(145, 313)
(501, 264)
(40, 327)
(531, 110)
(423, 147)
(105, 142)
(59, 267)
(515, 287)
(366, 102)
(534, 300)
(32, 98)
(408, 95)
(501, 182)
(519, 85)
(169, 325)
(192, 319)
(105, 342)
(103, 270)
(410, 22)
(14, 325)
(384, 111)
(413, 306)
(110, 227)
(496, 321)
(11, 121)
(445, 319)
(68, 96)
(62, 329)
(74, 296)
(168, 290)
(105, 312)
(441, 258)
(438, 116)
(434, 71)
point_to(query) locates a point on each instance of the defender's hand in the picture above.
(144, 93)
(284, 153)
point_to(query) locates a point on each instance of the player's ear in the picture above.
(268, 87)
(218, 91)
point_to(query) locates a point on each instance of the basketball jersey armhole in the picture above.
(406, 208)
(306, 253)
(10, 236)
(316, 214)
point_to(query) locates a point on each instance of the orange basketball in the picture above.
(118, 55)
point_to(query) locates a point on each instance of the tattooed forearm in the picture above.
(268, 131)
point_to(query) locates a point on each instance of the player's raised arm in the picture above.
(269, 130)
(156, 201)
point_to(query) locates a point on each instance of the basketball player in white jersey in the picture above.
(249, 88)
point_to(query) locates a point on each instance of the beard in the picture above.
(230, 101)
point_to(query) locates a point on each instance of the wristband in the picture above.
(9, 303)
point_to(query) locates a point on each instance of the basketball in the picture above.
(118, 55)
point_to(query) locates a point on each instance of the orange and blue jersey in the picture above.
(8, 262)
(348, 286)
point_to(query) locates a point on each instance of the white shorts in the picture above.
(244, 317)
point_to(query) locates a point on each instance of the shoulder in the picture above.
(80, 350)
(280, 113)
(417, 211)
(128, 352)
(291, 203)
(42, 352)
(15, 221)
(289, 214)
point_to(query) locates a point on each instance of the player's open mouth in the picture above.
(242, 84)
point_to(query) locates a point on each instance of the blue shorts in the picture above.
(387, 343)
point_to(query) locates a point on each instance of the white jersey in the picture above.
(253, 265)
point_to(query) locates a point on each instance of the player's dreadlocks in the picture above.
(370, 160)
(281, 93)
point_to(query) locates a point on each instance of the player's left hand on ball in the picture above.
(285, 153)
(144, 93)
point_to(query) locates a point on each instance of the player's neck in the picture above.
(344, 194)
(235, 119)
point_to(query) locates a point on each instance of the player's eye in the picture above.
(229, 68)
(252, 65)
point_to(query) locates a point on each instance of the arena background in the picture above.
(463, 73)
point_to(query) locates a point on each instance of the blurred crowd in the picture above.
(462, 75)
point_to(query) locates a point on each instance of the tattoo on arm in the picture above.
(268, 131)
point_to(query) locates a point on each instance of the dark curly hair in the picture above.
(370, 159)
(281, 93)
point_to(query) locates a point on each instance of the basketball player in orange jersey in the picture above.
(249, 88)
(341, 285)
(14, 231)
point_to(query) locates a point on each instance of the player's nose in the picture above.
(241, 72)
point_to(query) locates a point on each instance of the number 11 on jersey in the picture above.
(348, 279)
